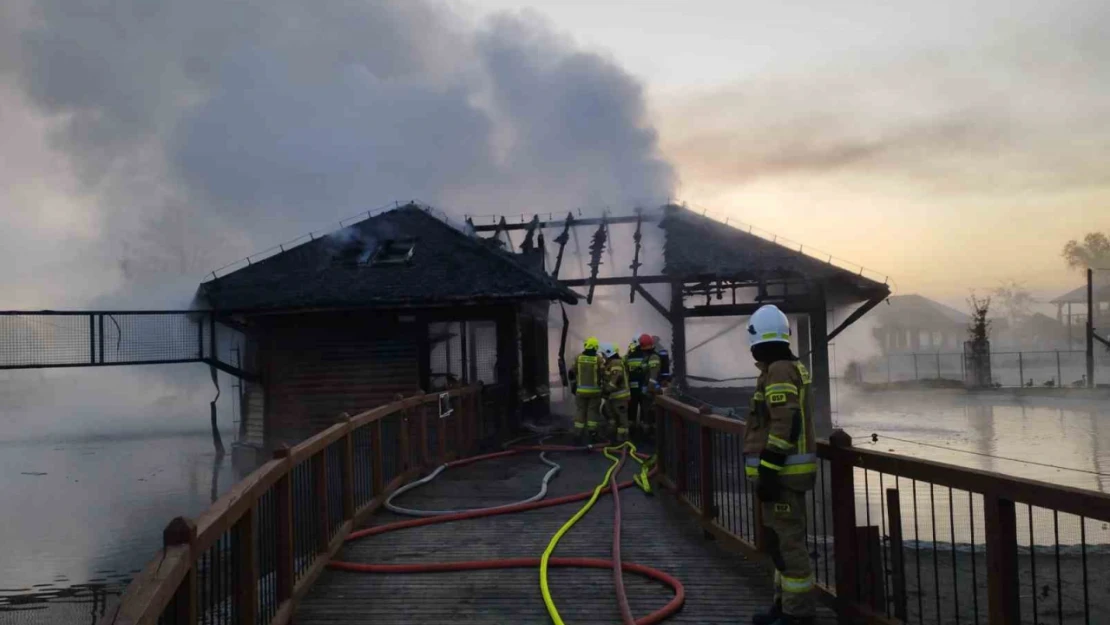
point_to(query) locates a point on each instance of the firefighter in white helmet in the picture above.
(780, 456)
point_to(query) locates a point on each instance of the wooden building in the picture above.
(400, 302)
(1072, 309)
(911, 324)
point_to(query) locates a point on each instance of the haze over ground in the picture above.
(949, 146)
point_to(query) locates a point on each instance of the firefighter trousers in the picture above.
(616, 414)
(587, 410)
(784, 523)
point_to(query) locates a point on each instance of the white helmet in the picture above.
(768, 325)
(608, 350)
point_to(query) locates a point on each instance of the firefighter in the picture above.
(780, 457)
(634, 362)
(664, 362)
(586, 381)
(649, 387)
(616, 391)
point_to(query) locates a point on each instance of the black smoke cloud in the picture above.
(200, 131)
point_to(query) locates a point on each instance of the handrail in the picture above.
(700, 461)
(254, 553)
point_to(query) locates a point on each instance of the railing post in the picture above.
(403, 447)
(1002, 568)
(842, 477)
(246, 559)
(283, 493)
(347, 466)
(320, 487)
(681, 453)
(705, 442)
(422, 428)
(182, 531)
(897, 555)
(377, 458)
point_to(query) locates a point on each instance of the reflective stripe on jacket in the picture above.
(634, 361)
(616, 380)
(586, 368)
(779, 420)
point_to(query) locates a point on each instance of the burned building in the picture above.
(399, 302)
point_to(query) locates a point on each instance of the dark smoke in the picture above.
(204, 130)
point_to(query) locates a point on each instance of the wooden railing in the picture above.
(1000, 548)
(257, 550)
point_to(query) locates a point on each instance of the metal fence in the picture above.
(36, 340)
(1008, 369)
(899, 539)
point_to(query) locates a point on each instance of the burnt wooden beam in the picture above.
(678, 336)
(586, 221)
(597, 247)
(623, 281)
(654, 302)
(562, 240)
(636, 264)
(529, 239)
(856, 314)
(730, 310)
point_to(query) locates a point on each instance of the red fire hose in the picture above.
(476, 565)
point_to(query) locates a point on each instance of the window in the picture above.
(393, 252)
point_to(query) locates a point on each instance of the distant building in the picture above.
(1071, 309)
(913, 323)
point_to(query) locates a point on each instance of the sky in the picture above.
(950, 148)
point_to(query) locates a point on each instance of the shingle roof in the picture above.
(447, 267)
(919, 312)
(698, 246)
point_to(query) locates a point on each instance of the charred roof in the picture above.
(401, 258)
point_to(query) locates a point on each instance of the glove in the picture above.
(768, 489)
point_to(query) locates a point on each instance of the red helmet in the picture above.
(646, 342)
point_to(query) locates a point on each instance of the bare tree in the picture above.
(980, 326)
(1093, 252)
(1014, 300)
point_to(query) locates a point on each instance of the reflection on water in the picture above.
(978, 432)
(81, 516)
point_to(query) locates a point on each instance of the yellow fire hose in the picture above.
(641, 481)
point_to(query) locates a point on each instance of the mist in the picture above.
(164, 140)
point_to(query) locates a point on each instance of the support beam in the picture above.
(624, 281)
(678, 336)
(529, 239)
(591, 221)
(597, 247)
(562, 240)
(819, 371)
(635, 266)
(857, 313)
(732, 310)
(654, 302)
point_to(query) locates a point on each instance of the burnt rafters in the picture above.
(636, 264)
(529, 238)
(597, 248)
(562, 240)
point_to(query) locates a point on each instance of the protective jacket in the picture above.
(652, 365)
(634, 361)
(587, 369)
(779, 422)
(616, 380)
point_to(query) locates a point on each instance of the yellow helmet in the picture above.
(591, 343)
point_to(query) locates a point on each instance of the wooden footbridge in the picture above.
(266, 552)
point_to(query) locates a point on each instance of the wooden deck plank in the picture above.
(720, 587)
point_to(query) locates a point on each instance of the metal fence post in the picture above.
(897, 555)
(705, 442)
(888, 369)
(246, 560)
(347, 467)
(1059, 371)
(1002, 567)
(1021, 370)
(915, 375)
(844, 518)
(938, 365)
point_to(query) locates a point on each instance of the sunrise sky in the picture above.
(950, 145)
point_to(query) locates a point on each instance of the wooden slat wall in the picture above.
(337, 365)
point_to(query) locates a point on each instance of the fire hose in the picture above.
(609, 484)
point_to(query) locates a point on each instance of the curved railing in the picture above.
(897, 539)
(256, 551)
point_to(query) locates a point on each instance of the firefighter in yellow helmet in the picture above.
(780, 456)
(616, 391)
(586, 376)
